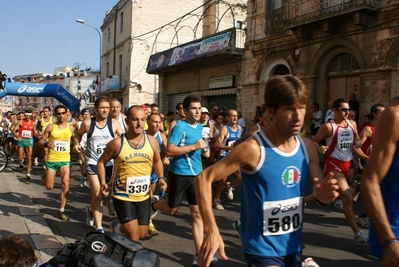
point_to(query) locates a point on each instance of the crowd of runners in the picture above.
(144, 162)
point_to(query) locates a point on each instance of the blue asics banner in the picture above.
(42, 90)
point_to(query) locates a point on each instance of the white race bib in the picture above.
(61, 146)
(26, 133)
(99, 147)
(230, 143)
(283, 216)
(137, 185)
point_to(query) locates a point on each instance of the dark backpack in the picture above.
(100, 250)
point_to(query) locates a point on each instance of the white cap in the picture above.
(204, 110)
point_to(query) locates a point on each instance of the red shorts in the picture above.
(332, 164)
(215, 150)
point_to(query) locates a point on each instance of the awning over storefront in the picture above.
(231, 91)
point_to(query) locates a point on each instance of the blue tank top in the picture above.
(231, 137)
(157, 137)
(272, 200)
(389, 190)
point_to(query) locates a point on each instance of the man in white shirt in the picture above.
(329, 112)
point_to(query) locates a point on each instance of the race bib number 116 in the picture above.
(282, 217)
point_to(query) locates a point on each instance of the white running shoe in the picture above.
(195, 260)
(229, 191)
(217, 204)
(155, 198)
(89, 216)
(361, 239)
(36, 162)
(309, 262)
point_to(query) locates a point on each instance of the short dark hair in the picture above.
(48, 108)
(16, 251)
(316, 105)
(285, 90)
(170, 113)
(338, 102)
(130, 108)
(178, 105)
(213, 105)
(190, 99)
(153, 114)
(60, 106)
(101, 99)
(374, 110)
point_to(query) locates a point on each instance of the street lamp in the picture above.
(76, 68)
(81, 21)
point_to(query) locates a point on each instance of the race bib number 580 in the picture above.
(282, 217)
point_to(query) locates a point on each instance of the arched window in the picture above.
(344, 62)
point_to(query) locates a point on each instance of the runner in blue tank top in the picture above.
(380, 187)
(154, 122)
(228, 135)
(275, 164)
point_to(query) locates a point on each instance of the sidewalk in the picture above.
(21, 216)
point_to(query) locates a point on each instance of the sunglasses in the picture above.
(60, 113)
(345, 109)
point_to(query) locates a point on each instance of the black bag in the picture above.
(100, 250)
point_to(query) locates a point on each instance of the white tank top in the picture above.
(340, 142)
(97, 140)
(121, 120)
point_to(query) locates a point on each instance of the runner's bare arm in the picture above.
(325, 189)
(246, 155)
(385, 144)
(117, 127)
(84, 128)
(324, 131)
(158, 165)
(110, 152)
(46, 135)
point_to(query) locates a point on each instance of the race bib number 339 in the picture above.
(137, 185)
(282, 217)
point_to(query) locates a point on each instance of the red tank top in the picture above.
(366, 145)
(26, 129)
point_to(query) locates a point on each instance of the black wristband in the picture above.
(45, 143)
(389, 242)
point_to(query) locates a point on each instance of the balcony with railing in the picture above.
(302, 12)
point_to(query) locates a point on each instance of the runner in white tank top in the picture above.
(343, 139)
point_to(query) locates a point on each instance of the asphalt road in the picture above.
(327, 237)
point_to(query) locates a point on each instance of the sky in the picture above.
(42, 35)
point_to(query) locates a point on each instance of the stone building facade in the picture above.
(209, 67)
(336, 47)
(132, 31)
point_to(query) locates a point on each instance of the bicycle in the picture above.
(3, 155)
(3, 160)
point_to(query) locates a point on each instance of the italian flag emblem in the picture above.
(291, 176)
